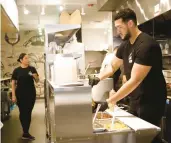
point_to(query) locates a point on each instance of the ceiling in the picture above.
(31, 21)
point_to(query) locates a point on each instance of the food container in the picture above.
(117, 126)
(103, 115)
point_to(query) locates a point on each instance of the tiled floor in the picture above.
(11, 131)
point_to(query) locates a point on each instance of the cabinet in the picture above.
(9, 16)
(94, 39)
(97, 31)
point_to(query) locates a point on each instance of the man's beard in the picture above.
(127, 36)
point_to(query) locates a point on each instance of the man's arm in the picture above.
(139, 72)
(110, 70)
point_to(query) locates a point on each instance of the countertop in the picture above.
(137, 124)
(58, 88)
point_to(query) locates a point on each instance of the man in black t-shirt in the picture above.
(141, 57)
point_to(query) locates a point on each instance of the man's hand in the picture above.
(93, 80)
(110, 100)
(14, 100)
(104, 106)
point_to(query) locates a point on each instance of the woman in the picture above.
(24, 92)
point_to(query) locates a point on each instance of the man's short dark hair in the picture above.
(126, 15)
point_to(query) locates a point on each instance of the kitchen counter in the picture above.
(57, 88)
(70, 119)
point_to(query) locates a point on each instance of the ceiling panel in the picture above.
(54, 2)
(51, 10)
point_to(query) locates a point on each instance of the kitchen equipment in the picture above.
(167, 75)
(103, 116)
(162, 48)
(53, 48)
(68, 115)
(166, 48)
(113, 119)
(97, 110)
(65, 69)
(99, 90)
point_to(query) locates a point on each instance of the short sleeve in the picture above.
(145, 54)
(33, 70)
(14, 75)
(120, 51)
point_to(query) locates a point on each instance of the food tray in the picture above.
(118, 125)
(103, 116)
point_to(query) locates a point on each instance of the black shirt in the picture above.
(145, 51)
(25, 81)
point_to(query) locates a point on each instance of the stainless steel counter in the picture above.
(69, 120)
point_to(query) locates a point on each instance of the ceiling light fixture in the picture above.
(82, 11)
(43, 10)
(26, 11)
(61, 8)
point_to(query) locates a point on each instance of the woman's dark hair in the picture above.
(126, 15)
(22, 55)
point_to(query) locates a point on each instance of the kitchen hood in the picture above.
(108, 5)
(145, 9)
(159, 26)
(61, 33)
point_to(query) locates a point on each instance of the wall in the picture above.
(97, 37)
(9, 58)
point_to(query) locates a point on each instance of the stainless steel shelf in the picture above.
(166, 55)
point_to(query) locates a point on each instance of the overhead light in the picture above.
(61, 8)
(26, 11)
(82, 11)
(43, 10)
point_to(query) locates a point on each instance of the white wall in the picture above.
(96, 36)
(94, 39)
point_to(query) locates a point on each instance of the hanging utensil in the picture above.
(97, 110)
(113, 119)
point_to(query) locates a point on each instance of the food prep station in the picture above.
(68, 106)
(69, 119)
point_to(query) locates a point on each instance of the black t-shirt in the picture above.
(145, 51)
(25, 81)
